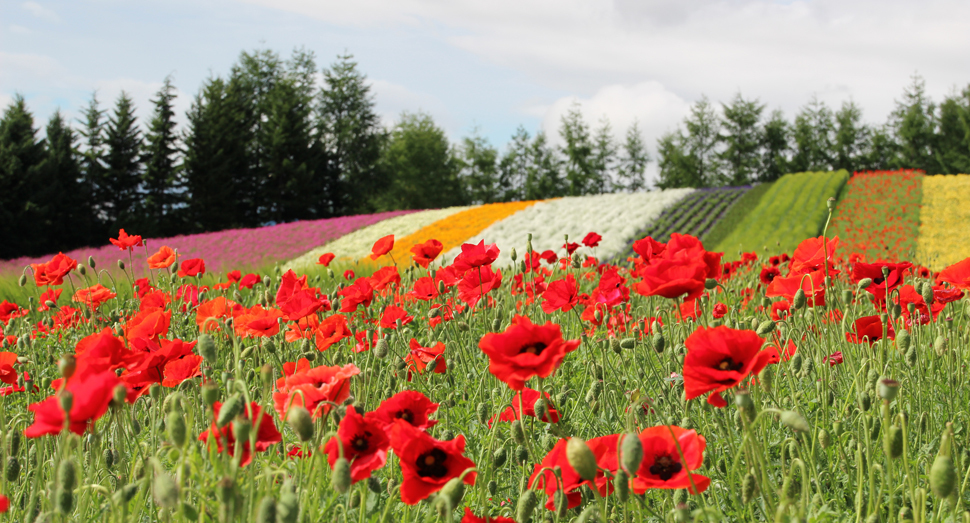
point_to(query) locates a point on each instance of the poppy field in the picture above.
(676, 386)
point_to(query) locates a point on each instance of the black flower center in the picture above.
(432, 464)
(535, 348)
(729, 364)
(406, 415)
(360, 442)
(665, 467)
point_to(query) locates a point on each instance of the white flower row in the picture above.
(358, 244)
(616, 217)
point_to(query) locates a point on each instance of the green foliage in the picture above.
(162, 176)
(21, 175)
(742, 138)
(792, 210)
(117, 192)
(734, 215)
(478, 162)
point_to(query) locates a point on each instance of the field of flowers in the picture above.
(879, 215)
(615, 217)
(790, 211)
(676, 388)
(944, 233)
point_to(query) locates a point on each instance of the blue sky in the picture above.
(499, 64)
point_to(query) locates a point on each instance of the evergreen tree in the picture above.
(676, 165)
(742, 139)
(423, 173)
(545, 174)
(69, 219)
(813, 131)
(161, 180)
(478, 164)
(914, 126)
(22, 154)
(633, 162)
(352, 134)
(774, 147)
(851, 138)
(513, 167)
(882, 151)
(605, 158)
(119, 191)
(93, 167)
(952, 151)
(216, 163)
(700, 144)
(577, 150)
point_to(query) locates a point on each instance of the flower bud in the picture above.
(341, 475)
(527, 505)
(481, 411)
(229, 410)
(799, 300)
(12, 469)
(67, 475)
(454, 490)
(888, 389)
(794, 421)
(499, 457)
(927, 293)
(518, 432)
(66, 399)
(903, 340)
(628, 343)
(165, 490)
(210, 394)
(846, 296)
(288, 509)
(513, 255)
(241, 429)
(766, 328)
(631, 453)
(66, 366)
(943, 476)
(710, 283)
(894, 442)
(23, 280)
(749, 488)
(581, 458)
(659, 342)
(91, 262)
(175, 428)
(207, 348)
(824, 439)
(298, 418)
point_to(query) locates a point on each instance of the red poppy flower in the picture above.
(49, 295)
(477, 282)
(295, 299)
(408, 405)
(924, 314)
(869, 329)
(549, 257)
(126, 242)
(768, 274)
(12, 310)
(169, 364)
(92, 392)
(648, 248)
(810, 255)
(266, 436)
(312, 388)
(54, 271)
(720, 310)
(257, 322)
(473, 256)
(151, 324)
(424, 289)
(813, 286)
(683, 276)
(94, 296)
(873, 271)
(233, 276)
(612, 289)
(216, 308)
(325, 259)
(604, 450)
(946, 294)
(359, 293)
(780, 310)
(570, 248)
(330, 331)
(5, 505)
(8, 374)
(426, 463)
(349, 275)
(249, 281)
(561, 295)
(425, 253)
(364, 443)
(834, 359)
(720, 358)
(192, 267)
(957, 274)
(384, 277)
(662, 467)
(529, 398)
(592, 240)
(420, 357)
(470, 517)
(525, 350)
(382, 247)
(162, 259)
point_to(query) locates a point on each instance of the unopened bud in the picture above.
(799, 299)
(229, 410)
(794, 421)
(581, 458)
(67, 365)
(267, 510)
(894, 442)
(298, 418)
(454, 490)
(766, 328)
(341, 475)
(91, 262)
(175, 428)
(66, 399)
(659, 342)
(526, 506)
(121, 265)
(165, 490)
(943, 476)
(241, 429)
(710, 283)
(207, 348)
(749, 488)
(631, 453)
(513, 255)
(518, 433)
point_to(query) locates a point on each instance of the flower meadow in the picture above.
(944, 233)
(797, 385)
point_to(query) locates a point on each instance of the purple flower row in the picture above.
(243, 249)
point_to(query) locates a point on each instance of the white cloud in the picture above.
(19, 29)
(392, 99)
(141, 93)
(41, 12)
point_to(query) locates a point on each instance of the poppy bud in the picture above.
(207, 348)
(341, 475)
(513, 255)
(939, 345)
(581, 458)
(710, 283)
(241, 429)
(943, 476)
(66, 400)
(210, 393)
(794, 421)
(903, 340)
(576, 263)
(298, 418)
(82, 270)
(499, 457)
(12, 469)
(462, 326)
(443, 506)
(230, 409)
(615, 345)
(454, 490)
(165, 490)
(767, 377)
(518, 433)
(67, 365)
(492, 487)
(527, 505)
(67, 475)
(894, 442)
(911, 356)
(888, 389)
(824, 439)
(799, 300)
(23, 280)
(749, 488)
(865, 402)
(631, 453)
(155, 391)
(521, 455)
(598, 315)
(380, 348)
(109, 458)
(766, 328)
(175, 428)
(481, 410)
(13, 442)
(267, 510)
(628, 343)
(659, 342)
(64, 499)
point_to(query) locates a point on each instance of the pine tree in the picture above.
(952, 151)
(478, 164)
(352, 134)
(161, 180)
(605, 158)
(774, 147)
(513, 167)
(423, 173)
(70, 220)
(700, 144)
(882, 151)
(812, 134)
(914, 126)
(675, 164)
(93, 168)
(22, 219)
(633, 162)
(742, 138)
(546, 171)
(577, 151)
(851, 138)
(122, 177)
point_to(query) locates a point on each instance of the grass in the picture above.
(735, 214)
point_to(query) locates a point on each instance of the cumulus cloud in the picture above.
(393, 98)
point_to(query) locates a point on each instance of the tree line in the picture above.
(277, 140)
(739, 143)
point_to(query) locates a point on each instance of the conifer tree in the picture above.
(161, 180)
(93, 166)
(742, 138)
(69, 219)
(952, 152)
(633, 161)
(812, 135)
(21, 176)
(914, 126)
(478, 164)
(577, 151)
(851, 138)
(774, 147)
(123, 161)
(423, 172)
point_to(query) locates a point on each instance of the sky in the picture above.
(492, 66)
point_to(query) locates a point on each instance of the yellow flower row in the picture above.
(453, 230)
(944, 234)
